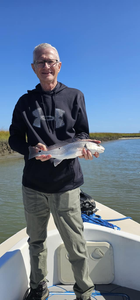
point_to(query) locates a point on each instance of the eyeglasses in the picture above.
(49, 62)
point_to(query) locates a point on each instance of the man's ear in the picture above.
(59, 67)
(33, 67)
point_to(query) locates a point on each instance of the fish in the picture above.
(68, 151)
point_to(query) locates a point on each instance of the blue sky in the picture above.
(99, 46)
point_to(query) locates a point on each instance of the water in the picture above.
(113, 179)
(11, 207)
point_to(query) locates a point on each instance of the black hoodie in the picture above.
(49, 118)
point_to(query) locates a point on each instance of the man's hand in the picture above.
(42, 157)
(87, 153)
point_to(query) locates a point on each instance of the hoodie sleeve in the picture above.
(81, 125)
(17, 139)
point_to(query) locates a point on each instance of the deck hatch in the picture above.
(101, 263)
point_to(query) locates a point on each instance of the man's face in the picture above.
(47, 73)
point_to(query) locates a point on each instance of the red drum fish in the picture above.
(68, 151)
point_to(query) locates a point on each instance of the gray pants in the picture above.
(65, 208)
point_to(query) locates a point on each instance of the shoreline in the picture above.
(6, 152)
(14, 155)
(129, 138)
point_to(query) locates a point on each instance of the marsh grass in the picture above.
(4, 135)
(103, 136)
(107, 136)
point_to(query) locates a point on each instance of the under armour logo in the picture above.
(59, 117)
(39, 115)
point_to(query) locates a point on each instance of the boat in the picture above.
(113, 242)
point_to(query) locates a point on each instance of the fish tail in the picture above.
(33, 152)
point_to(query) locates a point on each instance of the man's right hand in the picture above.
(42, 157)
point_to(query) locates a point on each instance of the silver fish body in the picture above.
(69, 151)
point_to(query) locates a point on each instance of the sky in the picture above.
(99, 45)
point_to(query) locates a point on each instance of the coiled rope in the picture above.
(96, 219)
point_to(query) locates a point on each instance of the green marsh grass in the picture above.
(4, 135)
(107, 136)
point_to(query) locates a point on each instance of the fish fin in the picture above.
(56, 162)
(86, 147)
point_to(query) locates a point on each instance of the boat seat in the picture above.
(101, 263)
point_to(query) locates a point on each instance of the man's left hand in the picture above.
(88, 155)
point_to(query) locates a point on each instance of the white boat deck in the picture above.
(107, 292)
(102, 291)
(127, 225)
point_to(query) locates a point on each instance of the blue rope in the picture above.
(121, 219)
(95, 219)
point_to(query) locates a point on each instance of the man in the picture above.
(45, 116)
